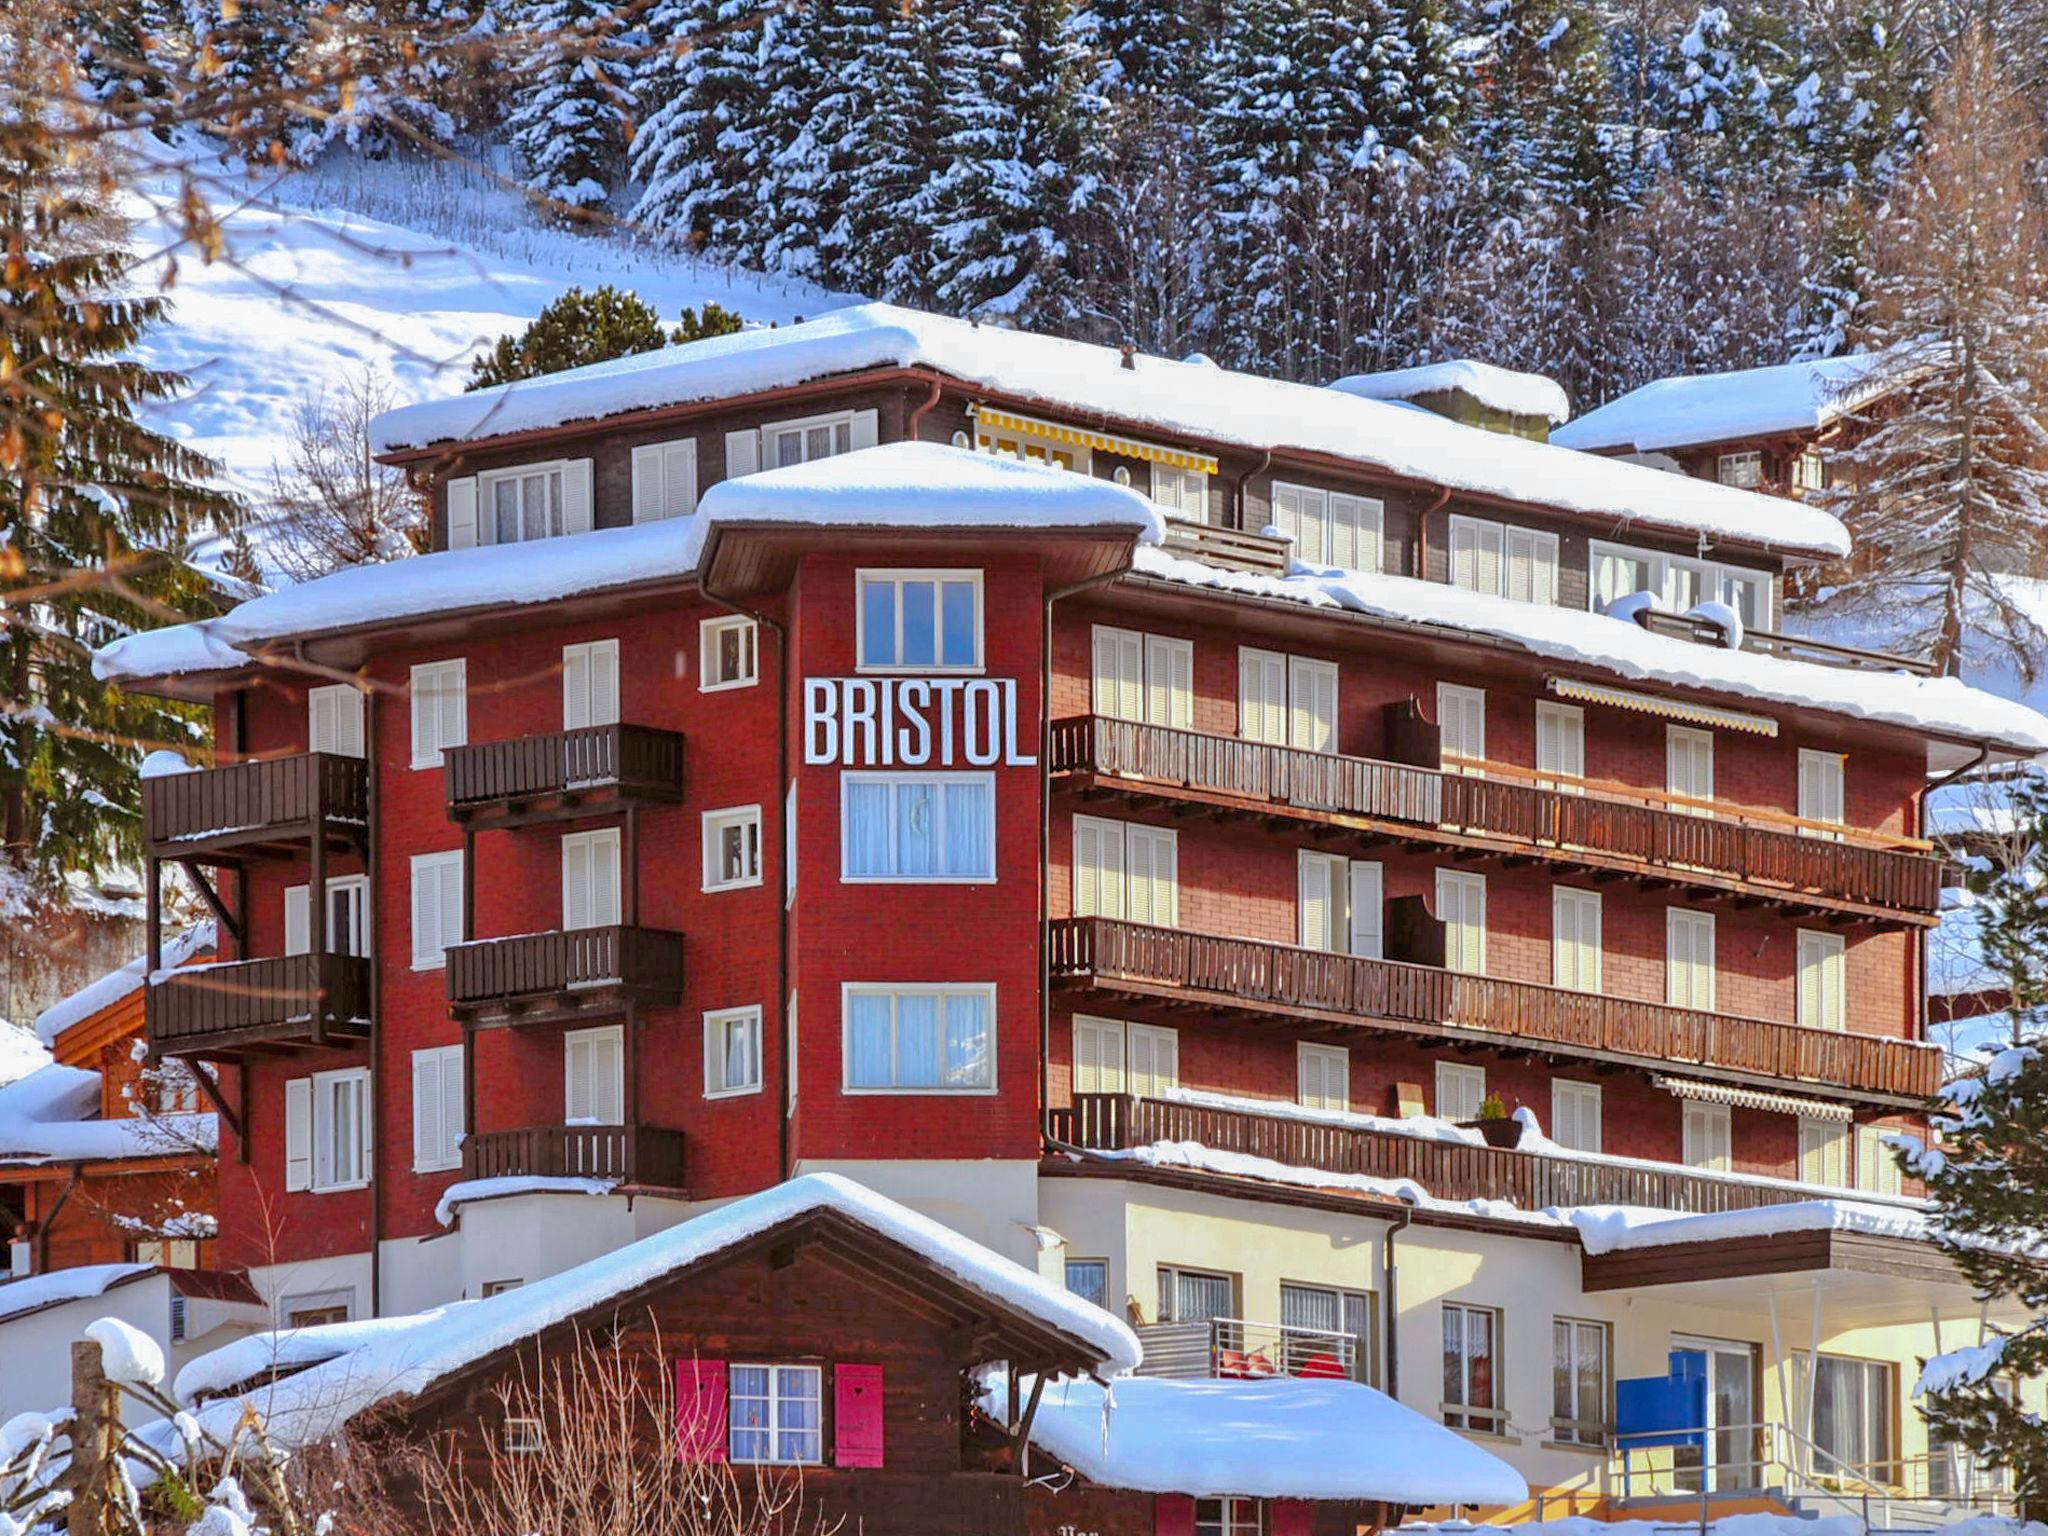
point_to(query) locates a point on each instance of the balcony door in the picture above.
(1727, 1456)
(1325, 1328)
(590, 879)
(348, 917)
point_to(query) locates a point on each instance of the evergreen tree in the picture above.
(580, 328)
(697, 151)
(572, 118)
(249, 54)
(96, 510)
(876, 245)
(1947, 490)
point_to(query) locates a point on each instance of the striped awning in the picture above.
(1670, 709)
(990, 419)
(1749, 1098)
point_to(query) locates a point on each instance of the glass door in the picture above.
(1728, 1460)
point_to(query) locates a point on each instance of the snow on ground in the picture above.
(314, 289)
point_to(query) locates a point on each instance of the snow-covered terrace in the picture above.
(1191, 400)
(1696, 409)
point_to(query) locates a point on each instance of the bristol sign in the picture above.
(912, 722)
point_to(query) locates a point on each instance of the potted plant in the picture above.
(1495, 1123)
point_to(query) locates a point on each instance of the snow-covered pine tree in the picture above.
(425, 72)
(812, 107)
(248, 55)
(96, 511)
(572, 112)
(1946, 489)
(698, 88)
(1725, 86)
(876, 244)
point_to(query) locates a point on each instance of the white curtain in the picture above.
(970, 827)
(870, 1063)
(967, 1041)
(867, 828)
(917, 1040)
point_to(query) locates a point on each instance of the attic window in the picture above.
(1745, 471)
(524, 1437)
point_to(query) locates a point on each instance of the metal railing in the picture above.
(1240, 1348)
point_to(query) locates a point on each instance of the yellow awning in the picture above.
(1670, 709)
(991, 419)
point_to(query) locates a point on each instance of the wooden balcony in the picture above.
(260, 1007)
(564, 977)
(642, 1155)
(268, 807)
(1249, 978)
(1115, 1122)
(1488, 815)
(562, 775)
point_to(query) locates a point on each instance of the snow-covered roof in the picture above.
(897, 485)
(20, 1052)
(1619, 648)
(354, 1365)
(1280, 1438)
(1614, 1228)
(1499, 389)
(1691, 410)
(58, 1285)
(50, 1117)
(117, 984)
(1194, 400)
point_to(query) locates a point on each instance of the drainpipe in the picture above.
(1390, 1276)
(376, 948)
(919, 413)
(1237, 491)
(1422, 533)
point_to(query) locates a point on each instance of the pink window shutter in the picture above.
(701, 1421)
(1290, 1517)
(857, 1415)
(1173, 1514)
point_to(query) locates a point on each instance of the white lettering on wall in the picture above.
(912, 722)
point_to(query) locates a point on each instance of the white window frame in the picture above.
(1744, 471)
(327, 1087)
(1827, 1149)
(776, 1399)
(1187, 485)
(1832, 770)
(939, 576)
(896, 991)
(1877, 1170)
(709, 633)
(716, 1055)
(1710, 579)
(1462, 1080)
(1809, 470)
(1316, 531)
(299, 916)
(487, 482)
(607, 909)
(1590, 1110)
(1702, 1126)
(1336, 879)
(1675, 994)
(1119, 1047)
(1573, 1346)
(616, 1035)
(1122, 879)
(1470, 709)
(588, 654)
(714, 823)
(1315, 1063)
(1477, 1418)
(433, 684)
(1298, 723)
(444, 1060)
(1830, 951)
(1230, 1515)
(1560, 747)
(1687, 749)
(442, 863)
(938, 781)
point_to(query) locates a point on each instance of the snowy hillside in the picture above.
(401, 268)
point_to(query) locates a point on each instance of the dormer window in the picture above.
(525, 504)
(1744, 471)
(799, 442)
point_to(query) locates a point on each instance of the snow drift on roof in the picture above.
(39, 1291)
(1499, 389)
(50, 1117)
(1721, 407)
(20, 1052)
(1282, 1438)
(117, 984)
(1942, 705)
(361, 1364)
(1189, 399)
(1613, 1228)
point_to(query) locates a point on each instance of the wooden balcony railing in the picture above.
(633, 1154)
(570, 973)
(273, 800)
(1280, 978)
(1115, 1122)
(1581, 827)
(547, 776)
(291, 999)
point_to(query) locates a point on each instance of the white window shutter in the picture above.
(1315, 875)
(604, 878)
(429, 1133)
(462, 512)
(1261, 696)
(1531, 566)
(1312, 704)
(1689, 959)
(1170, 682)
(298, 920)
(452, 1108)
(1154, 1059)
(1098, 867)
(576, 495)
(1461, 907)
(1367, 904)
(451, 901)
(604, 683)
(679, 478)
(579, 881)
(742, 453)
(1153, 859)
(866, 430)
(1098, 1055)
(608, 1077)
(578, 1100)
(575, 687)
(1119, 673)
(650, 494)
(1461, 721)
(335, 720)
(1575, 939)
(1490, 558)
(298, 1133)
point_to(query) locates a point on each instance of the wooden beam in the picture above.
(212, 899)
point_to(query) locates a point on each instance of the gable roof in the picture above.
(1692, 410)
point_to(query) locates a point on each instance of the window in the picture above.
(1182, 493)
(1111, 1056)
(920, 621)
(1289, 701)
(1227, 1517)
(1824, 1147)
(1561, 747)
(178, 1324)
(1461, 726)
(1689, 959)
(917, 826)
(335, 720)
(1852, 1407)
(1322, 1322)
(1123, 869)
(1505, 561)
(1743, 470)
(315, 1309)
(664, 480)
(1677, 581)
(732, 1052)
(437, 1109)
(1689, 769)
(1143, 677)
(590, 684)
(1195, 1295)
(594, 1076)
(1471, 1379)
(800, 442)
(1339, 905)
(1575, 1114)
(168, 1253)
(436, 907)
(440, 710)
(534, 501)
(1575, 939)
(1820, 792)
(728, 654)
(327, 1130)
(1089, 1280)
(777, 1415)
(1329, 527)
(1579, 1389)
(1322, 1076)
(499, 1287)
(732, 848)
(1822, 959)
(1460, 1090)
(1810, 471)
(348, 917)
(524, 1437)
(1877, 1166)
(1705, 1136)
(590, 879)
(920, 1039)
(1461, 908)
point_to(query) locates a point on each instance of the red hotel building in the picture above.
(1146, 870)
